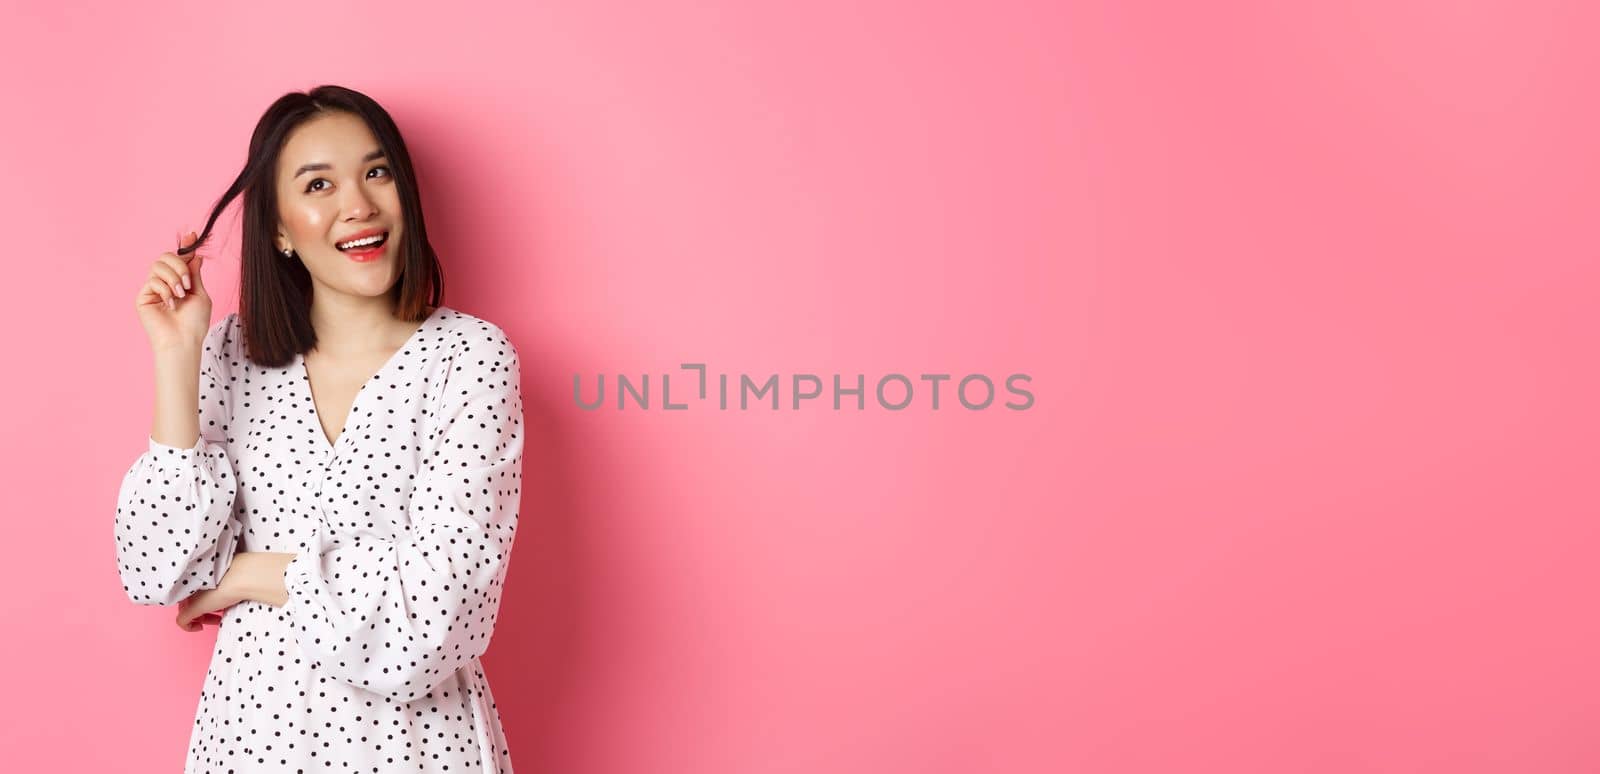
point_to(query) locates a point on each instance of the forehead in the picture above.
(336, 138)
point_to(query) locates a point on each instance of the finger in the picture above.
(187, 240)
(206, 602)
(169, 275)
(194, 260)
(179, 267)
(147, 296)
(157, 292)
(150, 293)
(189, 617)
(194, 272)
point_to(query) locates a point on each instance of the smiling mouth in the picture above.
(367, 243)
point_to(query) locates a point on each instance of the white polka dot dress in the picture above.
(402, 529)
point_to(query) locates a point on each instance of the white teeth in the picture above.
(371, 240)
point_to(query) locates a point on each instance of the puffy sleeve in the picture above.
(398, 615)
(175, 527)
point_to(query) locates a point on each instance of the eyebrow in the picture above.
(377, 154)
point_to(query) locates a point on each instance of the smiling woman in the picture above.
(345, 203)
(325, 167)
(334, 472)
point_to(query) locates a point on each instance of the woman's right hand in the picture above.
(175, 313)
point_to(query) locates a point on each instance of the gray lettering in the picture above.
(666, 395)
(886, 404)
(936, 378)
(745, 384)
(799, 396)
(701, 367)
(1029, 395)
(961, 392)
(860, 392)
(577, 393)
(624, 386)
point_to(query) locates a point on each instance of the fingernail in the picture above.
(186, 282)
(180, 292)
(172, 304)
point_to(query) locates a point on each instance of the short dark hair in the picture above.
(275, 292)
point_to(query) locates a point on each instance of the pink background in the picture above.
(1307, 296)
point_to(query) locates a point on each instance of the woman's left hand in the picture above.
(252, 575)
(203, 607)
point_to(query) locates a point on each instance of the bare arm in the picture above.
(175, 309)
(258, 576)
(177, 399)
(255, 576)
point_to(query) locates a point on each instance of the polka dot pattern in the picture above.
(401, 527)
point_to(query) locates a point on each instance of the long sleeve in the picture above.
(175, 527)
(398, 615)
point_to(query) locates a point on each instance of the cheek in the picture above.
(389, 201)
(305, 220)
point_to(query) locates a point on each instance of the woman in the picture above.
(333, 472)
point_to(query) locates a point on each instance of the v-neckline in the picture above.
(311, 398)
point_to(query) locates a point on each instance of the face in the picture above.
(335, 186)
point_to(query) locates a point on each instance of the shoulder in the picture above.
(469, 334)
(224, 340)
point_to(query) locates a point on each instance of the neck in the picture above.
(356, 325)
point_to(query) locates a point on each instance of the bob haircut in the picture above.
(274, 290)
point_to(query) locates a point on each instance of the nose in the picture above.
(357, 206)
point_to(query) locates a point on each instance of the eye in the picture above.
(379, 168)
(312, 186)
